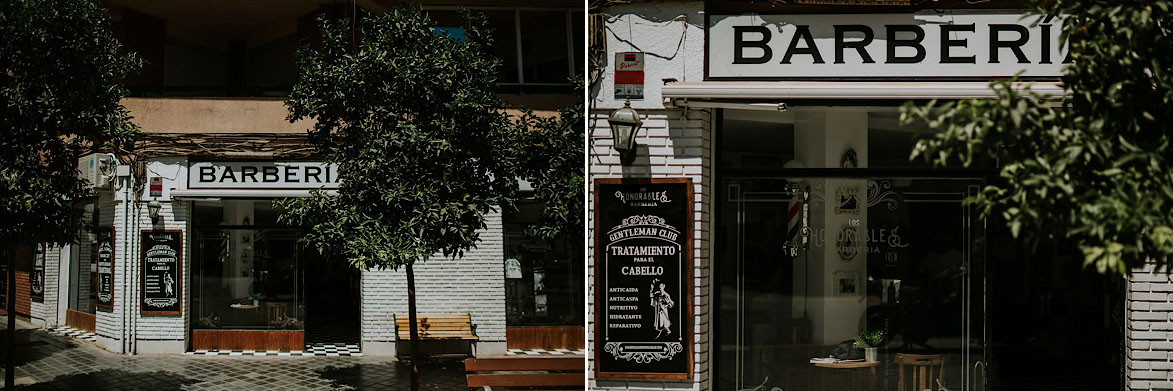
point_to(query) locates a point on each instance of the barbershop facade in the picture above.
(182, 249)
(778, 129)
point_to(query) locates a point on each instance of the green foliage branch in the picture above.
(60, 69)
(1095, 170)
(553, 163)
(423, 147)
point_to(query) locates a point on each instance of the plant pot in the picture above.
(871, 354)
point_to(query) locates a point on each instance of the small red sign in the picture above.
(156, 187)
(629, 77)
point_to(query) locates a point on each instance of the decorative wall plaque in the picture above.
(104, 286)
(162, 277)
(643, 286)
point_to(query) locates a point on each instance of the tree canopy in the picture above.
(553, 164)
(59, 81)
(1095, 170)
(423, 146)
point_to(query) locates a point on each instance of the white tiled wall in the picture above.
(673, 144)
(474, 284)
(1149, 334)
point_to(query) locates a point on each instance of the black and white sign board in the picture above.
(104, 254)
(950, 45)
(643, 299)
(261, 175)
(162, 277)
(37, 277)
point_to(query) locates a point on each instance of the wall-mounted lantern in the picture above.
(153, 210)
(625, 125)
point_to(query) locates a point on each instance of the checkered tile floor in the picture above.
(317, 349)
(75, 333)
(544, 352)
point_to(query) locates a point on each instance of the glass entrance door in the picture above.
(805, 265)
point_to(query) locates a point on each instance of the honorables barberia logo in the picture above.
(643, 311)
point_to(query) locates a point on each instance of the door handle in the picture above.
(973, 374)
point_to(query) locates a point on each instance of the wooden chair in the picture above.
(274, 313)
(923, 366)
(525, 373)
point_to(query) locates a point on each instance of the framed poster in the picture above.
(104, 286)
(162, 276)
(37, 277)
(643, 278)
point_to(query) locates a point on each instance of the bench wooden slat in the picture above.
(577, 363)
(526, 379)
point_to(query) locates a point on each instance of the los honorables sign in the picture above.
(104, 252)
(162, 272)
(643, 304)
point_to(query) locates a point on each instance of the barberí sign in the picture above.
(262, 175)
(643, 295)
(962, 44)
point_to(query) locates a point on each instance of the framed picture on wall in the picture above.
(846, 283)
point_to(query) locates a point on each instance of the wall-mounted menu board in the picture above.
(162, 277)
(104, 258)
(37, 277)
(643, 278)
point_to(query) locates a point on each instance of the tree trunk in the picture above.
(415, 338)
(10, 345)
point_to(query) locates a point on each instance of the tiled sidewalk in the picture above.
(48, 361)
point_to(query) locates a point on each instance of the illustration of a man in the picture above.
(661, 302)
(168, 284)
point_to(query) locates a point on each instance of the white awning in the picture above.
(242, 193)
(880, 90)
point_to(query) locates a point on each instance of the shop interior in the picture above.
(884, 252)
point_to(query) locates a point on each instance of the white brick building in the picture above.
(809, 223)
(217, 151)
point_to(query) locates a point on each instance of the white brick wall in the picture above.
(473, 284)
(673, 144)
(45, 313)
(109, 324)
(1149, 334)
(161, 328)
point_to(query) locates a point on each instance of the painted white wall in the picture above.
(671, 34)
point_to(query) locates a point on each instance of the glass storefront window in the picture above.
(543, 279)
(895, 255)
(245, 269)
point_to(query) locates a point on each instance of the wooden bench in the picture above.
(436, 327)
(526, 373)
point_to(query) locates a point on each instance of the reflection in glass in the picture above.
(245, 276)
(892, 255)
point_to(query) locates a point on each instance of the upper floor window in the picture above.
(540, 49)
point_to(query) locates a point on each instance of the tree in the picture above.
(59, 78)
(553, 164)
(1095, 171)
(423, 147)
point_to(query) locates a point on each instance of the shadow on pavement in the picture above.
(30, 347)
(115, 379)
(434, 375)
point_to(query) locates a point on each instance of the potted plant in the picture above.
(870, 342)
(256, 298)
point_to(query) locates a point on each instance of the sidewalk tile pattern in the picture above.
(317, 349)
(75, 333)
(544, 352)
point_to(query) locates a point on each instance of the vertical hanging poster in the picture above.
(104, 286)
(162, 277)
(37, 277)
(643, 295)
